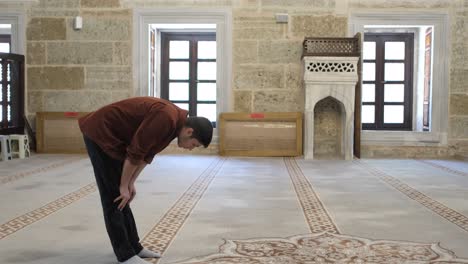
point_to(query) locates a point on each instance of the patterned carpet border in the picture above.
(442, 167)
(27, 219)
(314, 211)
(23, 174)
(163, 233)
(445, 212)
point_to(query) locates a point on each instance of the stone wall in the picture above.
(458, 109)
(328, 129)
(82, 70)
(70, 70)
(268, 76)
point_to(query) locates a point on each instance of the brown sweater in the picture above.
(135, 129)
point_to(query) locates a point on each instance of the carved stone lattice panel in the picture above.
(331, 47)
(331, 67)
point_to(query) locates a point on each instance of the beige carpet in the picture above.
(210, 209)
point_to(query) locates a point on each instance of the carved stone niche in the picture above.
(330, 77)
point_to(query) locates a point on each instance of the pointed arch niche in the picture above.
(329, 106)
(329, 123)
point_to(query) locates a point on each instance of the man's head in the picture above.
(196, 132)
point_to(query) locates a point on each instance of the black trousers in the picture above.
(120, 225)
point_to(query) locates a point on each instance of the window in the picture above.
(217, 21)
(5, 80)
(5, 93)
(188, 72)
(438, 80)
(387, 89)
(11, 93)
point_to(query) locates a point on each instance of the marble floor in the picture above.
(224, 210)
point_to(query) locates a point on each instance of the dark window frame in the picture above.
(16, 63)
(379, 82)
(193, 39)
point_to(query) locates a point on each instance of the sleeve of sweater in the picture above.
(155, 128)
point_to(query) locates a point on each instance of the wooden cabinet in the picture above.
(58, 132)
(261, 134)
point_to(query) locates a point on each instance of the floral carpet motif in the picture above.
(326, 248)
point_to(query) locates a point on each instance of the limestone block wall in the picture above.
(458, 109)
(71, 70)
(267, 70)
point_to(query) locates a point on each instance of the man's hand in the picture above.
(132, 191)
(124, 197)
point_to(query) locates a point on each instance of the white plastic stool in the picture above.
(5, 148)
(22, 142)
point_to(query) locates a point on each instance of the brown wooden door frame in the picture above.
(357, 102)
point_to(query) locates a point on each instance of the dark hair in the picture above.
(202, 129)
